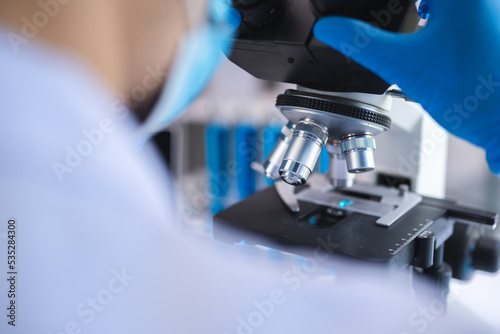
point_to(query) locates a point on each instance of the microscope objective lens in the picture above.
(309, 138)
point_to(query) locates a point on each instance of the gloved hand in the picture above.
(451, 66)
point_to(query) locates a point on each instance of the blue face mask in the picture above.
(199, 56)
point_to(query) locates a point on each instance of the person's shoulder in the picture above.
(62, 128)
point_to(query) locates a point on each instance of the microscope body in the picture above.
(337, 101)
(342, 106)
(281, 46)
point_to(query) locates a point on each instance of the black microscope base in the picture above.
(263, 219)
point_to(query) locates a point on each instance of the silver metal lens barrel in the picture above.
(358, 150)
(275, 158)
(308, 140)
(338, 174)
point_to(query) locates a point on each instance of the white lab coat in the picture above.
(99, 247)
(94, 226)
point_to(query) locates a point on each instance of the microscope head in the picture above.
(338, 103)
(275, 41)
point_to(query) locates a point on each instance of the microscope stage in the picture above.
(263, 219)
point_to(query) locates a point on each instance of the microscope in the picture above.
(390, 220)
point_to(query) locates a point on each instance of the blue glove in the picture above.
(451, 67)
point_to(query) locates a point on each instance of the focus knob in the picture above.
(468, 250)
(260, 13)
(486, 254)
